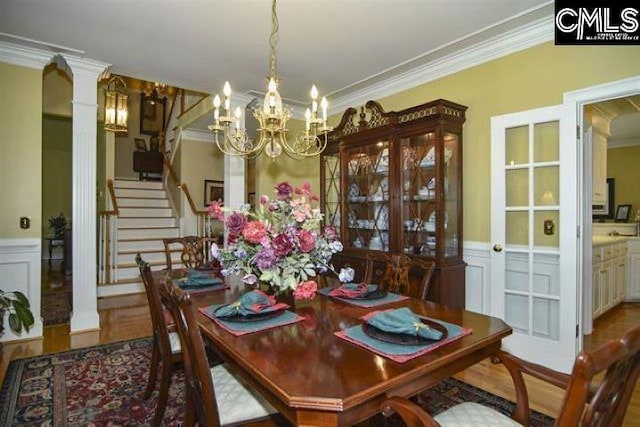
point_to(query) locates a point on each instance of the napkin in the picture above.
(254, 302)
(402, 321)
(200, 280)
(353, 290)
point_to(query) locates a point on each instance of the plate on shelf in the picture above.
(429, 159)
(252, 317)
(354, 190)
(382, 164)
(405, 339)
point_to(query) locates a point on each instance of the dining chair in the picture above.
(394, 276)
(597, 391)
(195, 250)
(215, 396)
(166, 348)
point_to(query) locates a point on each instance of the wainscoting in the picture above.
(477, 255)
(20, 267)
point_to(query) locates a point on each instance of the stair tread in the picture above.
(148, 217)
(142, 198)
(148, 227)
(133, 264)
(143, 207)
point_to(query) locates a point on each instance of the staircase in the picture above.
(145, 218)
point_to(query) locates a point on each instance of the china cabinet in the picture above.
(392, 182)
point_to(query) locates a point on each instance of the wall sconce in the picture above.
(116, 110)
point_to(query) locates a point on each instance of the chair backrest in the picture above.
(394, 276)
(200, 391)
(595, 400)
(195, 250)
(160, 331)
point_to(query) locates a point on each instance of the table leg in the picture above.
(50, 247)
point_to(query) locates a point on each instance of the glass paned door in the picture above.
(331, 165)
(368, 197)
(530, 227)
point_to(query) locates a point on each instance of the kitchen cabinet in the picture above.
(392, 182)
(633, 275)
(609, 276)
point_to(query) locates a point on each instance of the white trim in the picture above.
(198, 135)
(124, 289)
(21, 259)
(477, 255)
(535, 33)
(623, 142)
(23, 56)
(576, 100)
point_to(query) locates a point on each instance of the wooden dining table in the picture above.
(315, 378)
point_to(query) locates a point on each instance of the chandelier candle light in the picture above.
(272, 117)
(115, 105)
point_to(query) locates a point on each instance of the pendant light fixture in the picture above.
(116, 110)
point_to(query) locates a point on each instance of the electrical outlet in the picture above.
(25, 222)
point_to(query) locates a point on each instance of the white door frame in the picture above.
(576, 100)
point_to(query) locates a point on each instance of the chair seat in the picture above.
(174, 341)
(471, 414)
(237, 402)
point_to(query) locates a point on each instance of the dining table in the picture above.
(313, 377)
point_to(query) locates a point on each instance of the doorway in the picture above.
(614, 122)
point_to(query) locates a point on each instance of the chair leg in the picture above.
(153, 371)
(189, 408)
(163, 395)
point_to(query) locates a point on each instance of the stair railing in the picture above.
(108, 239)
(204, 222)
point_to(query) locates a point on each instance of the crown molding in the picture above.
(24, 56)
(623, 142)
(533, 34)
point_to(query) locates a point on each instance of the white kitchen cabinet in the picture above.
(609, 276)
(633, 265)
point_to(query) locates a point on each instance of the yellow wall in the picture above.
(57, 93)
(622, 165)
(21, 148)
(296, 172)
(529, 79)
(200, 161)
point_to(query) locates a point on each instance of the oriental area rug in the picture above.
(55, 308)
(103, 386)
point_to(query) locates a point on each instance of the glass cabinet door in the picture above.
(451, 194)
(367, 192)
(331, 189)
(418, 161)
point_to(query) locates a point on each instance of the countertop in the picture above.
(606, 240)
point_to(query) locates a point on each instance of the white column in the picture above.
(85, 107)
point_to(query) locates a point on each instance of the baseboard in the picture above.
(123, 289)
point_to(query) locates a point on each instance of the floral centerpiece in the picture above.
(279, 243)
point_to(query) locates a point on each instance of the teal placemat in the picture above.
(397, 352)
(366, 303)
(243, 328)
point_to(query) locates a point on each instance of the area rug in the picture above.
(103, 386)
(55, 308)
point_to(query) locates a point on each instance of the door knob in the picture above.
(497, 247)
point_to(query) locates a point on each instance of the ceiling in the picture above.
(340, 45)
(623, 114)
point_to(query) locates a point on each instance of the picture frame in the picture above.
(602, 212)
(251, 198)
(622, 213)
(152, 114)
(213, 191)
(140, 144)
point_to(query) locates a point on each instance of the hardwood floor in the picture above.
(127, 317)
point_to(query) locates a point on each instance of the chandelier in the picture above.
(272, 118)
(116, 110)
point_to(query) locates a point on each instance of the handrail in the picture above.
(172, 171)
(194, 209)
(114, 203)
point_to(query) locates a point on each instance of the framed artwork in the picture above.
(152, 114)
(251, 198)
(141, 144)
(605, 211)
(622, 213)
(213, 190)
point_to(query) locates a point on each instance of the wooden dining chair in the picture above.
(166, 350)
(194, 250)
(597, 391)
(215, 396)
(394, 274)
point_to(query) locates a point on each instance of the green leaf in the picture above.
(21, 298)
(14, 323)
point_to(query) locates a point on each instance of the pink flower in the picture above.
(301, 212)
(235, 223)
(305, 290)
(254, 231)
(282, 246)
(330, 232)
(215, 210)
(307, 240)
(264, 199)
(283, 190)
(305, 189)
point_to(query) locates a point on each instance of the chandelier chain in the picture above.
(273, 40)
